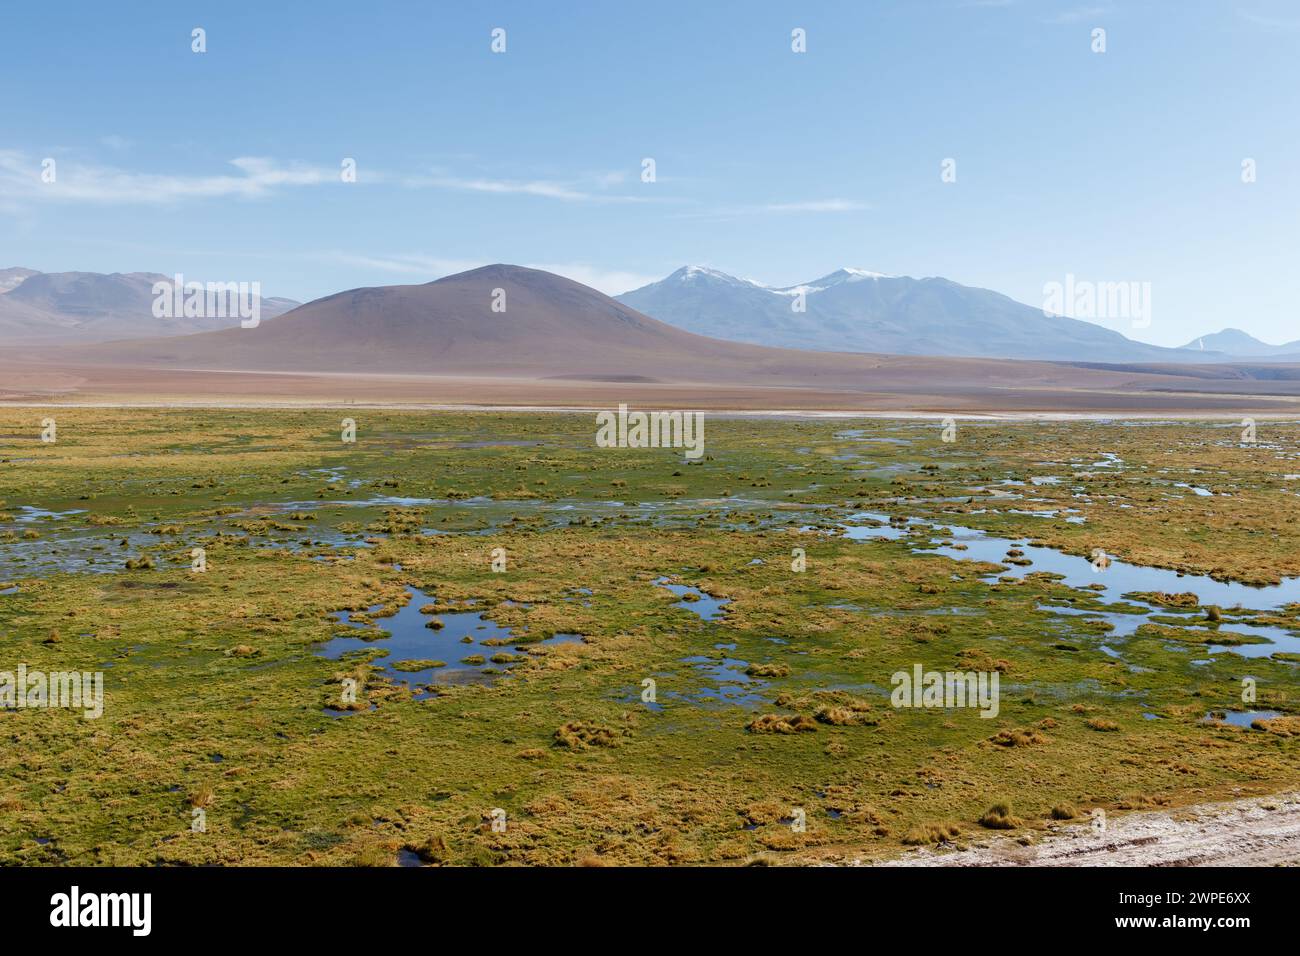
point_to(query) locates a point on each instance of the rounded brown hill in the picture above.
(550, 326)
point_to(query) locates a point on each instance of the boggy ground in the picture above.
(777, 709)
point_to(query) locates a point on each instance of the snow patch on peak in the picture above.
(695, 273)
(797, 289)
(688, 273)
(838, 277)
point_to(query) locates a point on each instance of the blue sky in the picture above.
(777, 166)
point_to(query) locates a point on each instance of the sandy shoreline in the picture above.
(1258, 831)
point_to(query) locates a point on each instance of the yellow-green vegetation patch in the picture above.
(658, 736)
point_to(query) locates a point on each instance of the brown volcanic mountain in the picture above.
(550, 326)
(561, 342)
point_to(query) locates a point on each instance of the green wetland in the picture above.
(477, 638)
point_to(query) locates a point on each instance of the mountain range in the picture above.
(58, 307)
(508, 335)
(694, 319)
(853, 310)
(849, 310)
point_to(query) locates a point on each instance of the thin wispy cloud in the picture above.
(22, 180)
(1264, 20)
(429, 267)
(570, 191)
(609, 281)
(1077, 14)
(835, 205)
(815, 205)
(538, 187)
(426, 268)
(253, 177)
(1069, 15)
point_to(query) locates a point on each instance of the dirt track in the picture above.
(1261, 831)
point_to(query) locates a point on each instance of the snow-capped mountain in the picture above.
(838, 277)
(13, 277)
(854, 310)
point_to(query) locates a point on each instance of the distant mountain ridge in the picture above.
(1238, 343)
(54, 307)
(855, 310)
(13, 277)
(848, 310)
(509, 335)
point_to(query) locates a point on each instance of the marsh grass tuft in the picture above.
(1024, 737)
(999, 817)
(932, 833)
(781, 724)
(579, 735)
